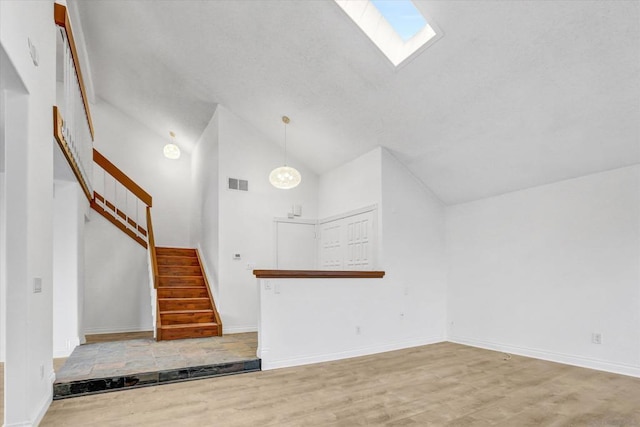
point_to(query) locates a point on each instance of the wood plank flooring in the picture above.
(437, 385)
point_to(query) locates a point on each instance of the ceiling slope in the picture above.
(515, 94)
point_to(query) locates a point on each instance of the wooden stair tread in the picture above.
(176, 257)
(186, 252)
(184, 302)
(179, 270)
(204, 310)
(170, 260)
(188, 325)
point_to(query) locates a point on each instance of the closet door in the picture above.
(296, 246)
(348, 243)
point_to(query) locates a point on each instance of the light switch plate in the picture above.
(37, 285)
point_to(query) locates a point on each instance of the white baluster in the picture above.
(137, 221)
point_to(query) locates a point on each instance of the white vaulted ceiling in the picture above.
(515, 94)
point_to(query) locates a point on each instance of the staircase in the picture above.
(185, 307)
(185, 304)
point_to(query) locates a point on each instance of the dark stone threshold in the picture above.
(64, 390)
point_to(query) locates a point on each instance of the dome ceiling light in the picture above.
(171, 150)
(285, 177)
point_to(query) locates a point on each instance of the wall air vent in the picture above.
(238, 184)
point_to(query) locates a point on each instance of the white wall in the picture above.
(204, 202)
(246, 218)
(69, 206)
(3, 231)
(307, 321)
(3, 242)
(137, 151)
(353, 185)
(116, 296)
(413, 254)
(29, 181)
(314, 320)
(536, 272)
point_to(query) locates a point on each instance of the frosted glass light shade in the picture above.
(285, 177)
(171, 151)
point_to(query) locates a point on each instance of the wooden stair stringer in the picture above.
(213, 303)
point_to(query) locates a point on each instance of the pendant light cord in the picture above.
(285, 144)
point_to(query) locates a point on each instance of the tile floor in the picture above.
(119, 358)
(108, 366)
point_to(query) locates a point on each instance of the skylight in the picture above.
(403, 16)
(396, 27)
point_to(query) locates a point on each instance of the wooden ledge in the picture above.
(317, 274)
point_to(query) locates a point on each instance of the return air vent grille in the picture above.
(238, 184)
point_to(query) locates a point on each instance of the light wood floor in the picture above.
(437, 385)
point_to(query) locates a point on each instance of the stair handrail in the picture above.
(153, 259)
(109, 205)
(152, 249)
(120, 217)
(68, 153)
(122, 178)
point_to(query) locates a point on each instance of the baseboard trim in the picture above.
(239, 329)
(66, 351)
(23, 424)
(567, 359)
(364, 351)
(124, 329)
(44, 407)
(42, 411)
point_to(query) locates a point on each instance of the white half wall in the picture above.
(137, 151)
(537, 272)
(305, 321)
(246, 217)
(116, 297)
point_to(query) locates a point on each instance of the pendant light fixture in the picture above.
(285, 177)
(171, 150)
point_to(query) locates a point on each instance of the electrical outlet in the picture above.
(596, 338)
(357, 330)
(267, 285)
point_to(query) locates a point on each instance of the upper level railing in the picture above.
(73, 127)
